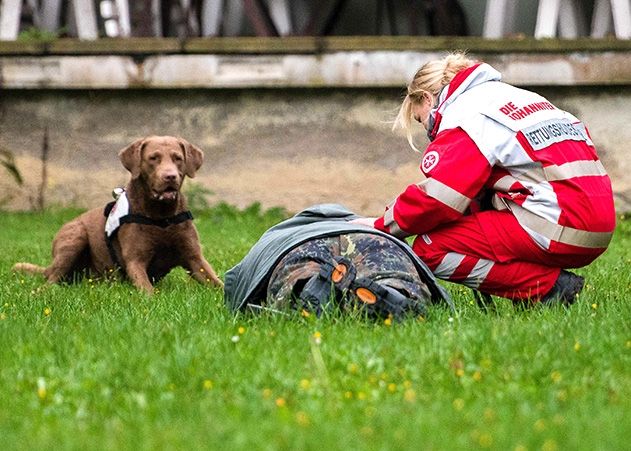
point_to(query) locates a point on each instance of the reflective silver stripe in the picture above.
(388, 217)
(478, 273)
(581, 168)
(504, 183)
(391, 224)
(498, 203)
(573, 169)
(448, 266)
(559, 233)
(445, 194)
(396, 231)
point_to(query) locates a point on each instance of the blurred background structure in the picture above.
(290, 99)
(91, 19)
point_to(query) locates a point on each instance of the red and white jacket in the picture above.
(537, 160)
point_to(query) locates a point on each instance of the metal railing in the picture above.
(94, 19)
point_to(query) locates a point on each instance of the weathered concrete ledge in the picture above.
(281, 147)
(372, 62)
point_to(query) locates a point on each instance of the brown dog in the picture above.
(155, 236)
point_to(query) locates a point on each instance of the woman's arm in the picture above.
(456, 171)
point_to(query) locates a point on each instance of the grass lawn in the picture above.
(98, 365)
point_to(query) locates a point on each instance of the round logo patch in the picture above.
(430, 160)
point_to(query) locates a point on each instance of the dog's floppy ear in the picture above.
(193, 156)
(130, 157)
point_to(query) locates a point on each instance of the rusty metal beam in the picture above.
(259, 16)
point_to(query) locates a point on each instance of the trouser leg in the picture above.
(511, 266)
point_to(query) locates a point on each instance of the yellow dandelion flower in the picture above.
(594, 306)
(317, 337)
(459, 372)
(352, 368)
(388, 321)
(41, 388)
(302, 418)
(366, 430)
(407, 384)
(549, 445)
(577, 346)
(305, 313)
(485, 440)
(540, 425)
(47, 311)
(280, 402)
(562, 395)
(241, 330)
(458, 404)
(392, 387)
(3, 316)
(477, 376)
(361, 395)
(556, 377)
(267, 393)
(628, 344)
(305, 384)
(348, 395)
(409, 395)
(208, 384)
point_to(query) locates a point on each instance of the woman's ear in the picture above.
(130, 156)
(430, 99)
(193, 157)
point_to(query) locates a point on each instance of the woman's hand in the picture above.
(370, 222)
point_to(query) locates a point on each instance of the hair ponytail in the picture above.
(429, 79)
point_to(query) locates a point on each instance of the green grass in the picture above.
(97, 365)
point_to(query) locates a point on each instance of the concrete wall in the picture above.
(281, 147)
(285, 122)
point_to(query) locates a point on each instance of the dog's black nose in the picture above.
(169, 177)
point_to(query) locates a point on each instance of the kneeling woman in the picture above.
(515, 192)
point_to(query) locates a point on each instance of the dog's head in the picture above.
(162, 162)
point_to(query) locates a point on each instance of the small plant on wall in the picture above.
(7, 161)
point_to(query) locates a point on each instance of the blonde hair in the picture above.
(429, 79)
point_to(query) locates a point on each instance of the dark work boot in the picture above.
(565, 289)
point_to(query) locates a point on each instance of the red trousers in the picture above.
(489, 251)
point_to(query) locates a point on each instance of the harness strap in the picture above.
(163, 223)
(133, 218)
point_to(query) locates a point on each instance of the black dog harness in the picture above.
(118, 213)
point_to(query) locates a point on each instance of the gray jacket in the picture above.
(246, 282)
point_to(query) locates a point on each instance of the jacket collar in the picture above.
(462, 82)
